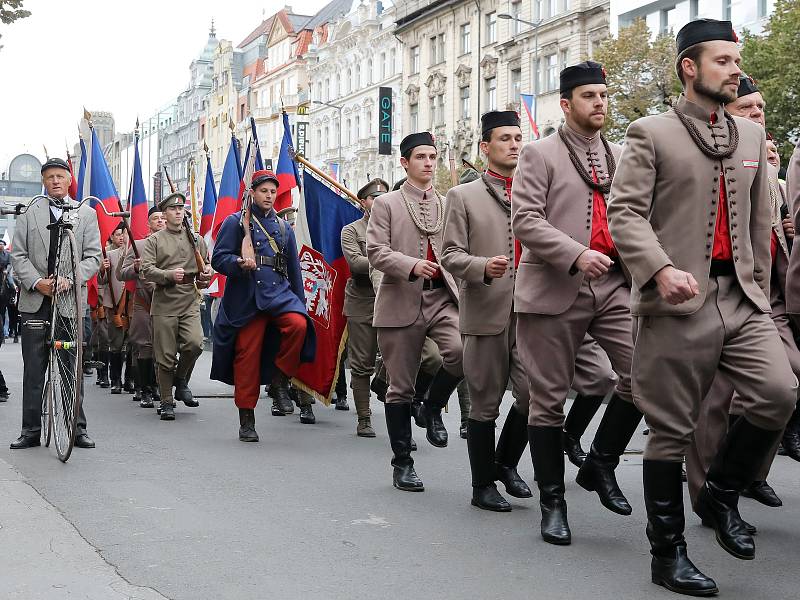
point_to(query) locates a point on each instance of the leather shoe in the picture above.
(184, 394)
(751, 529)
(762, 492)
(555, 528)
(4, 397)
(678, 574)
(26, 441)
(514, 484)
(718, 507)
(488, 498)
(435, 431)
(307, 415)
(404, 477)
(341, 402)
(573, 449)
(167, 412)
(83, 441)
(597, 475)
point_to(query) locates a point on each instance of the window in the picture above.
(491, 27)
(440, 109)
(349, 79)
(516, 84)
(551, 9)
(516, 13)
(319, 141)
(432, 112)
(537, 10)
(726, 10)
(441, 53)
(433, 48)
(413, 123)
(326, 139)
(369, 122)
(357, 81)
(490, 85)
(414, 59)
(562, 59)
(762, 9)
(357, 128)
(551, 73)
(383, 66)
(693, 9)
(369, 69)
(464, 37)
(348, 131)
(437, 49)
(464, 102)
(392, 60)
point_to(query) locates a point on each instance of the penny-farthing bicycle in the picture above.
(63, 332)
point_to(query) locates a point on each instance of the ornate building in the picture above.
(348, 61)
(222, 102)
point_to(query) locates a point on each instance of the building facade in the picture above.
(349, 60)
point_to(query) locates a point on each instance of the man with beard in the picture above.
(691, 216)
(416, 298)
(570, 284)
(141, 329)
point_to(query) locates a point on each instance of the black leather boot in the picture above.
(102, 372)
(735, 466)
(341, 388)
(548, 466)
(398, 426)
(580, 414)
(480, 445)
(144, 368)
(790, 444)
(130, 374)
(247, 425)
(184, 394)
(597, 472)
(421, 386)
(670, 566)
(380, 381)
(762, 492)
(510, 446)
(279, 391)
(441, 389)
(115, 366)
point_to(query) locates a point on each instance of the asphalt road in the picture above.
(185, 509)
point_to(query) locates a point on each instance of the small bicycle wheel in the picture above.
(47, 421)
(66, 347)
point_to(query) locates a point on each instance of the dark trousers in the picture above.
(3, 387)
(35, 359)
(13, 320)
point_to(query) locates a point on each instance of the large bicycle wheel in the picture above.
(66, 351)
(47, 421)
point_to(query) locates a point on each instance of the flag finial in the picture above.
(231, 125)
(46, 155)
(205, 147)
(88, 116)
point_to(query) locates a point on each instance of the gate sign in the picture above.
(301, 138)
(385, 121)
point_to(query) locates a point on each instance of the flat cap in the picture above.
(499, 118)
(411, 141)
(55, 163)
(746, 86)
(704, 30)
(585, 73)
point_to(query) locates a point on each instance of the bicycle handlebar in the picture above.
(20, 208)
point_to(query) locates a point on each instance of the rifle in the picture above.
(248, 250)
(469, 165)
(117, 319)
(351, 197)
(198, 258)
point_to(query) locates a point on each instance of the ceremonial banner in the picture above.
(138, 199)
(287, 169)
(529, 102)
(322, 215)
(102, 187)
(229, 202)
(209, 204)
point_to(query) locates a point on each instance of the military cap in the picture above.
(374, 188)
(411, 141)
(586, 73)
(499, 118)
(746, 86)
(55, 163)
(153, 210)
(120, 227)
(263, 175)
(398, 184)
(704, 30)
(289, 213)
(174, 199)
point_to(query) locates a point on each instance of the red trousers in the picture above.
(249, 343)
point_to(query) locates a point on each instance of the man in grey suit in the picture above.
(33, 258)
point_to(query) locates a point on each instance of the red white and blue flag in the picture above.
(322, 215)
(230, 188)
(529, 102)
(102, 187)
(137, 203)
(209, 204)
(287, 173)
(81, 174)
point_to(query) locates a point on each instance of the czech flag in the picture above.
(259, 161)
(73, 184)
(209, 203)
(138, 199)
(229, 200)
(81, 174)
(288, 177)
(529, 102)
(102, 187)
(322, 215)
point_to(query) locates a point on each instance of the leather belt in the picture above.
(188, 279)
(721, 268)
(268, 261)
(361, 281)
(433, 284)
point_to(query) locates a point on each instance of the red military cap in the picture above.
(260, 177)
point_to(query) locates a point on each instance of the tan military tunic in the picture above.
(140, 333)
(113, 294)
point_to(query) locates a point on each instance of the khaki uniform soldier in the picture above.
(790, 445)
(141, 328)
(569, 284)
(168, 261)
(359, 306)
(416, 299)
(722, 401)
(690, 214)
(115, 306)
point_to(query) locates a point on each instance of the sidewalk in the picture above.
(43, 555)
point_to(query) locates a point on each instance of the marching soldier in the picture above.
(169, 262)
(416, 298)
(114, 305)
(359, 306)
(569, 284)
(690, 212)
(791, 436)
(262, 331)
(141, 328)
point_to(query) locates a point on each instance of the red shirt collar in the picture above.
(507, 180)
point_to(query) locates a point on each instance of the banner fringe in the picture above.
(326, 400)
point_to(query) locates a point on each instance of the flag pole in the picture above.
(327, 178)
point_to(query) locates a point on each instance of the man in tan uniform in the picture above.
(168, 261)
(790, 445)
(416, 298)
(569, 284)
(115, 305)
(722, 406)
(359, 306)
(691, 215)
(141, 329)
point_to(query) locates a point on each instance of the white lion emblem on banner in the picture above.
(318, 281)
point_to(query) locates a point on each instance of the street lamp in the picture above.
(535, 28)
(339, 150)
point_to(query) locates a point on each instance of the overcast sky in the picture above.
(129, 58)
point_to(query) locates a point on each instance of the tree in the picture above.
(773, 62)
(10, 11)
(640, 74)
